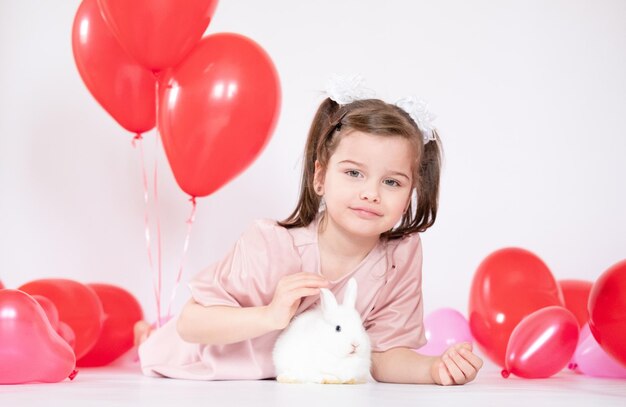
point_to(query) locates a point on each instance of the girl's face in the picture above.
(367, 185)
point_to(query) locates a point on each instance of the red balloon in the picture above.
(50, 309)
(542, 344)
(576, 296)
(217, 111)
(125, 89)
(121, 311)
(78, 306)
(508, 285)
(607, 311)
(160, 33)
(30, 349)
(67, 333)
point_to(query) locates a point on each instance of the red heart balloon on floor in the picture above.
(121, 311)
(78, 306)
(576, 297)
(30, 349)
(607, 311)
(508, 285)
(50, 309)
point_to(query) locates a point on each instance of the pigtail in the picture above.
(428, 192)
(322, 127)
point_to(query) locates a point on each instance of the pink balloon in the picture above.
(582, 335)
(30, 349)
(50, 309)
(444, 327)
(542, 343)
(592, 360)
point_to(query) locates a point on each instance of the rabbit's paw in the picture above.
(287, 379)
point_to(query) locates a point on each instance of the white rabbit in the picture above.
(325, 345)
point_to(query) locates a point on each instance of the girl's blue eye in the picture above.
(353, 173)
(391, 182)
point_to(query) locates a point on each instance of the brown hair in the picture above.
(371, 116)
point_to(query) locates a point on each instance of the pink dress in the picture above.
(389, 301)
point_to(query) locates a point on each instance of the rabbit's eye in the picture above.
(338, 328)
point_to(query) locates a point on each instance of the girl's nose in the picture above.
(370, 193)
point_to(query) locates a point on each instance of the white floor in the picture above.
(123, 385)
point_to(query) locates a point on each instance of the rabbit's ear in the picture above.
(349, 298)
(329, 303)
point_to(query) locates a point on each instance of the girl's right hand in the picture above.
(288, 296)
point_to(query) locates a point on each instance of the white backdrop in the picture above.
(530, 98)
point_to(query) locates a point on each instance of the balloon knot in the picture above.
(73, 374)
(193, 211)
(505, 373)
(138, 137)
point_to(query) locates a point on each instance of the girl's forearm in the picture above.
(221, 325)
(402, 365)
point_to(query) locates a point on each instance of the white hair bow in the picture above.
(345, 89)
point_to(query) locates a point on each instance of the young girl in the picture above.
(369, 186)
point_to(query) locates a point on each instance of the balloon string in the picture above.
(156, 201)
(137, 141)
(158, 223)
(189, 222)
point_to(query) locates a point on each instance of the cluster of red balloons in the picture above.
(50, 326)
(529, 323)
(215, 100)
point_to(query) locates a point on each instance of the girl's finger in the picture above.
(444, 376)
(303, 281)
(455, 372)
(294, 295)
(472, 359)
(466, 368)
(303, 275)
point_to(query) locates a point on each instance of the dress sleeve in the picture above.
(249, 273)
(397, 318)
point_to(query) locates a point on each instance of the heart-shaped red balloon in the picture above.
(508, 285)
(52, 313)
(78, 306)
(121, 311)
(218, 109)
(67, 333)
(576, 297)
(50, 309)
(607, 311)
(30, 349)
(158, 34)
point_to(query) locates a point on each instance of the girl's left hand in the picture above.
(457, 365)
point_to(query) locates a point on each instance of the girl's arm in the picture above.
(457, 365)
(220, 325)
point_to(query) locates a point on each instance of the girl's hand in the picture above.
(288, 295)
(457, 365)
